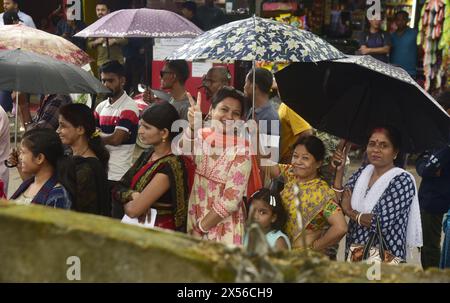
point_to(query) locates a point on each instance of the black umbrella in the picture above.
(28, 72)
(348, 97)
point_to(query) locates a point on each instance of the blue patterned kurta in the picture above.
(445, 254)
(393, 211)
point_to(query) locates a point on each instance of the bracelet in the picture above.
(201, 228)
(337, 190)
(358, 218)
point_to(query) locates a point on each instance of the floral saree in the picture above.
(308, 205)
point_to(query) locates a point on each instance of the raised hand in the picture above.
(195, 112)
(340, 155)
(13, 159)
(148, 96)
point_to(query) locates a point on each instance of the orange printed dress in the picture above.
(307, 204)
(220, 184)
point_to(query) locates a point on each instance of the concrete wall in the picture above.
(36, 243)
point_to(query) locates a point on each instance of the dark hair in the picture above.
(229, 92)
(102, 2)
(444, 99)
(113, 67)
(263, 79)
(391, 132)
(162, 116)
(190, 5)
(81, 115)
(10, 17)
(180, 68)
(264, 194)
(313, 145)
(404, 13)
(47, 142)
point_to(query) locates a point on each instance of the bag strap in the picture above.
(377, 234)
(381, 241)
(368, 245)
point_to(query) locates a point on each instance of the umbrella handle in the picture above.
(6, 162)
(339, 163)
(16, 124)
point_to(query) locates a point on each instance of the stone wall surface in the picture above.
(36, 243)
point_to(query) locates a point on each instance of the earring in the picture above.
(163, 140)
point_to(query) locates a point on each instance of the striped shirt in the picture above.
(124, 115)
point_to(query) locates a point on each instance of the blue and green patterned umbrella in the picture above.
(257, 39)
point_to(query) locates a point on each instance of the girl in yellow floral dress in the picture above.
(315, 220)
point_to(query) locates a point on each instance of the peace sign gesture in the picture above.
(195, 112)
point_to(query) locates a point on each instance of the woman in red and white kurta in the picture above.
(224, 167)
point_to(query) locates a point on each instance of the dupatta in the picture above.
(213, 139)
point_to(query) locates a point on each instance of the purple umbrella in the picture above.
(141, 23)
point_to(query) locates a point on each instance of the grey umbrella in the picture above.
(28, 72)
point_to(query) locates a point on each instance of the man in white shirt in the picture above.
(118, 118)
(13, 6)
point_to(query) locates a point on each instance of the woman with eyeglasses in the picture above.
(380, 192)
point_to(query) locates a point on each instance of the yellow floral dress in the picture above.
(315, 200)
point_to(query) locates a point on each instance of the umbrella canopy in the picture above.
(143, 22)
(28, 72)
(349, 97)
(257, 39)
(40, 42)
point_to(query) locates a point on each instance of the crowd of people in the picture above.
(398, 48)
(207, 181)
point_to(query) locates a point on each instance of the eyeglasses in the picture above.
(163, 72)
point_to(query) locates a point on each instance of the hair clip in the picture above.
(273, 201)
